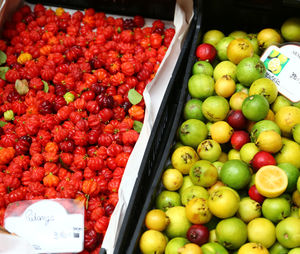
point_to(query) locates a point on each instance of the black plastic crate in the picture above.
(227, 16)
(162, 137)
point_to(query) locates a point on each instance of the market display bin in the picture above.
(227, 16)
(163, 10)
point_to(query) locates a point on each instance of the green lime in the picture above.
(235, 174)
(255, 107)
(292, 174)
(193, 110)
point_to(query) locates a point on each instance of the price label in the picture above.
(50, 226)
(282, 65)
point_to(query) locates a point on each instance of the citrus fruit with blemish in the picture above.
(183, 158)
(172, 179)
(156, 219)
(238, 49)
(225, 86)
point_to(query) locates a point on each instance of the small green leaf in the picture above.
(134, 97)
(137, 126)
(46, 86)
(2, 123)
(3, 71)
(3, 57)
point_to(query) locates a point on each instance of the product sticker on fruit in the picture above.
(232, 183)
(79, 93)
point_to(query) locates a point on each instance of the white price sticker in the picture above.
(282, 65)
(50, 226)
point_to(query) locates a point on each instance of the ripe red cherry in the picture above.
(261, 159)
(239, 138)
(205, 52)
(237, 120)
(198, 234)
(255, 195)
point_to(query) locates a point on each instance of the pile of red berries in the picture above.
(67, 123)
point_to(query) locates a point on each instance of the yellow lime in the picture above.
(270, 116)
(286, 118)
(236, 100)
(225, 86)
(271, 181)
(253, 248)
(153, 241)
(234, 154)
(269, 141)
(248, 151)
(239, 49)
(156, 219)
(172, 179)
(183, 158)
(190, 248)
(221, 132)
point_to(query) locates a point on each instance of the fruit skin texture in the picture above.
(179, 224)
(223, 202)
(267, 37)
(203, 173)
(206, 51)
(249, 70)
(288, 232)
(276, 209)
(172, 179)
(213, 37)
(197, 211)
(255, 195)
(269, 141)
(290, 152)
(261, 159)
(190, 248)
(262, 231)
(290, 29)
(237, 120)
(255, 107)
(192, 132)
(239, 138)
(286, 118)
(156, 219)
(238, 49)
(152, 241)
(253, 248)
(213, 248)
(235, 174)
(215, 108)
(201, 86)
(167, 199)
(198, 234)
(225, 68)
(231, 233)
(265, 87)
(293, 175)
(221, 132)
(183, 158)
(175, 244)
(261, 126)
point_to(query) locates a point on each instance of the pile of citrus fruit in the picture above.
(232, 184)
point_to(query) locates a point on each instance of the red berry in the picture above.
(255, 195)
(239, 138)
(205, 52)
(261, 159)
